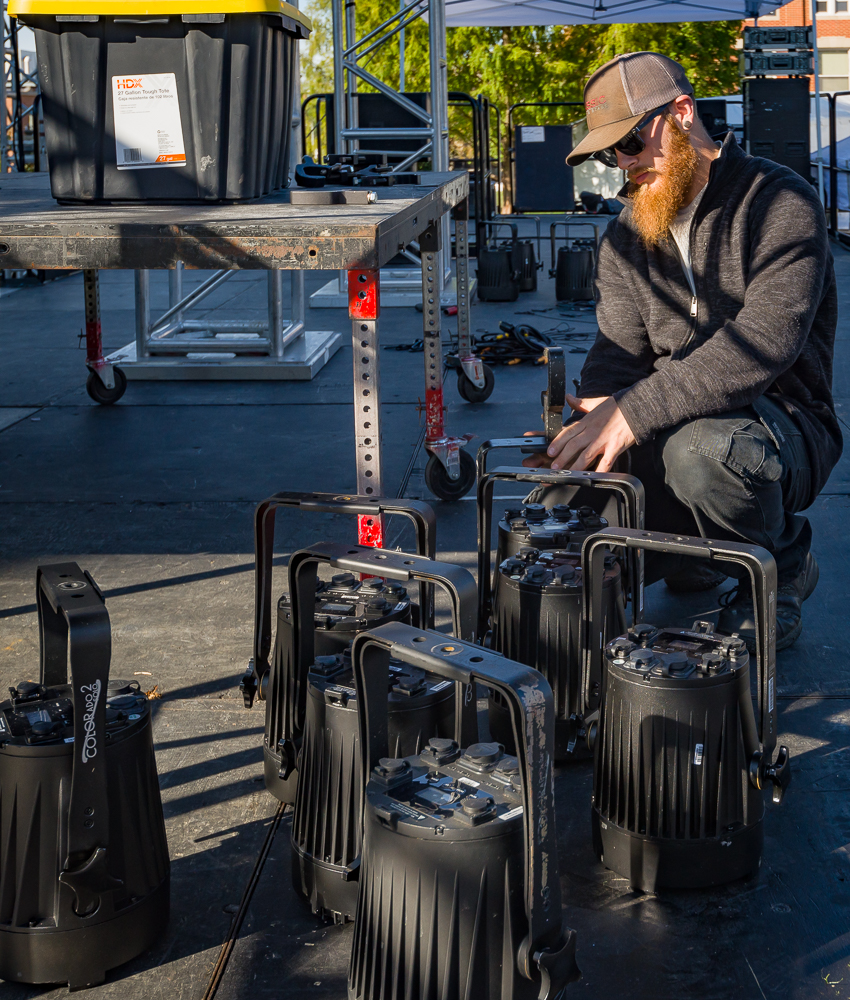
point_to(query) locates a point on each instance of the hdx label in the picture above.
(148, 130)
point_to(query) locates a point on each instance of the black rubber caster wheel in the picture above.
(100, 394)
(438, 482)
(470, 391)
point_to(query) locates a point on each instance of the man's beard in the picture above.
(654, 206)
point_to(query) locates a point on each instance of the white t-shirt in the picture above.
(680, 230)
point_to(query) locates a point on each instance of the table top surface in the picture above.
(36, 232)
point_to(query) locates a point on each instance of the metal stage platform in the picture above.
(265, 234)
(355, 230)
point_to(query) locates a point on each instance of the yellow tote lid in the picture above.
(130, 8)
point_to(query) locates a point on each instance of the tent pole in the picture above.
(352, 115)
(401, 6)
(817, 101)
(440, 118)
(340, 120)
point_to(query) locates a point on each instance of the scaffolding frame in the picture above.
(429, 281)
(16, 84)
(8, 85)
(348, 50)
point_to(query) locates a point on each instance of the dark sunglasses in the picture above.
(630, 145)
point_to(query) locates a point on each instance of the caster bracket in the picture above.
(447, 452)
(104, 371)
(473, 368)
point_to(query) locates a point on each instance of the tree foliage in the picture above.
(317, 69)
(527, 64)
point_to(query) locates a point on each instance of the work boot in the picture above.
(694, 578)
(737, 614)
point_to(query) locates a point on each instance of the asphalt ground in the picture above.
(155, 495)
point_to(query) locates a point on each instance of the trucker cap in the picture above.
(622, 93)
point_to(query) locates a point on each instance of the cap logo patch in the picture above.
(596, 103)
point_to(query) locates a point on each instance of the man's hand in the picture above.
(602, 433)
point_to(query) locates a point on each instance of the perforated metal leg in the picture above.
(364, 296)
(445, 449)
(471, 364)
(95, 360)
(431, 338)
(464, 335)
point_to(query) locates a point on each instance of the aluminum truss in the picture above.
(8, 84)
(401, 287)
(174, 347)
(434, 130)
(21, 145)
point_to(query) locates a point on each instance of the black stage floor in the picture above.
(155, 495)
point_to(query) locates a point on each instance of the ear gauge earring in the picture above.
(687, 125)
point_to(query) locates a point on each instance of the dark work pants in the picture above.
(739, 476)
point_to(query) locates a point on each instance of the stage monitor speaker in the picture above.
(543, 181)
(776, 121)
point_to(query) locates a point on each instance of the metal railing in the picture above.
(833, 168)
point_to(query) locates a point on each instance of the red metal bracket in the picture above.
(434, 419)
(370, 530)
(364, 294)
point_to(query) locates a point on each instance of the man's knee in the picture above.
(719, 452)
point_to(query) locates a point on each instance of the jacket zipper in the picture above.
(694, 311)
(694, 302)
(683, 352)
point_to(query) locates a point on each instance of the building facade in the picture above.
(833, 24)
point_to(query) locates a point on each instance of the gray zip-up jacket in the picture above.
(762, 321)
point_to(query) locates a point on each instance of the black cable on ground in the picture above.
(220, 966)
(514, 344)
(510, 345)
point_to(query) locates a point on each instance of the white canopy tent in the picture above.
(510, 13)
(507, 13)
